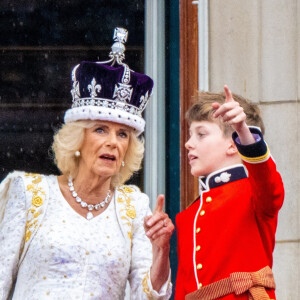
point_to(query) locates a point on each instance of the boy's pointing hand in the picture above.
(232, 113)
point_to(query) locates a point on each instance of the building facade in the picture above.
(254, 48)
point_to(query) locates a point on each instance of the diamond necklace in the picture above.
(83, 204)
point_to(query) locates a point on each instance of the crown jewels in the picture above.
(118, 48)
(110, 90)
(84, 204)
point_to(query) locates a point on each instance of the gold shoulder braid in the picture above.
(128, 213)
(37, 195)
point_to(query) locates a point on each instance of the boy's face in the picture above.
(207, 148)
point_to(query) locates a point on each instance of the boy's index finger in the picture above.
(228, 94)
(159, 204)
(222, 108)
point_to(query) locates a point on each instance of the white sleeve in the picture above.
(141, 258)
(12, 232)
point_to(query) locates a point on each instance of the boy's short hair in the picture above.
(202, 110)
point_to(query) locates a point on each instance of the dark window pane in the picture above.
(75, 22)
(40, 42)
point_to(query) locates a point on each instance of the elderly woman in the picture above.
(84, 234)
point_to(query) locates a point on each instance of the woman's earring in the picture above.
(123, 163)
(77, 153)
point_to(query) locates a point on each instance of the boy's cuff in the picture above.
(253, 153)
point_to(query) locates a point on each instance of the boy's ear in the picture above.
(232, 149)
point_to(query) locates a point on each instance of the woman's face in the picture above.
(104, 148)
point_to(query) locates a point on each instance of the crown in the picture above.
(110, 90)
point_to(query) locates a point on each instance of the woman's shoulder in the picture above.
(12, 193)
(14, 178)
(132, 204)
(34, 185)
(14, 174)
(23, 174)
(130, 189)
(132, 195)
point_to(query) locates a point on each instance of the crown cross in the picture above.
(118, 48)
(120, 35)
(94, 88)
(122, 92)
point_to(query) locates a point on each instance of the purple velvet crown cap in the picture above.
(108, 77)
(109, 93)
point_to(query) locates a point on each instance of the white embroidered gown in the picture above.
(71, 257)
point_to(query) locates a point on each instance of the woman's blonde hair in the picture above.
(69, 139)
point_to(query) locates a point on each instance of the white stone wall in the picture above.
(254, 47)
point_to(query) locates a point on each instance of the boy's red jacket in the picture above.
(231, 226)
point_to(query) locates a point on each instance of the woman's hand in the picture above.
(159, 226)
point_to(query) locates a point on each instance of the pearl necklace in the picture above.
(83, 204)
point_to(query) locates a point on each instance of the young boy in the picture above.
(230, 227)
